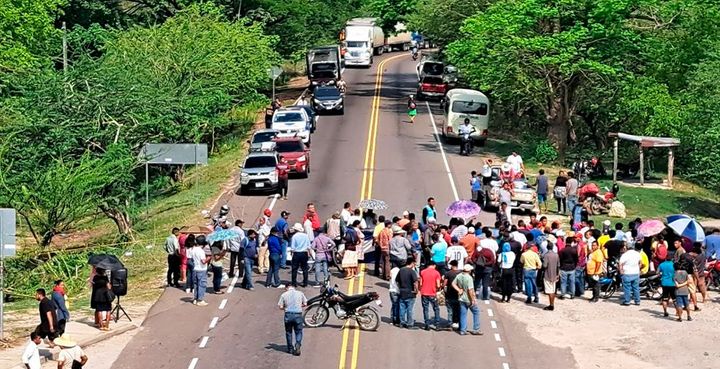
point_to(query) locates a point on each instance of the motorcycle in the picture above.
(650, 286)
(466, 144)
(414, 53)
(712, 274)
(612, 281)
(343, 306)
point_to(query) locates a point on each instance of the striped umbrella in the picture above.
(686, 226)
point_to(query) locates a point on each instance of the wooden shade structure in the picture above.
(645, 142)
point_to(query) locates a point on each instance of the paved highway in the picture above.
(370, 152)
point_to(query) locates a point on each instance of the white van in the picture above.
(460, 103)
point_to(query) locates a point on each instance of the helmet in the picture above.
(267, 212)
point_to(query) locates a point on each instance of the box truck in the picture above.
(324, 65)
(363, 39)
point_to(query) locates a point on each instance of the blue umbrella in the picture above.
(686, 226)
(222, 235)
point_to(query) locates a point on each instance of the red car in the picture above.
(294, 154)
(431, 86)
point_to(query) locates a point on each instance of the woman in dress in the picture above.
(101, 299)
(412, 108)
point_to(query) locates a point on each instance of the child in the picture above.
(682, 291)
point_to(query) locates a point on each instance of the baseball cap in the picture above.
(284, 213)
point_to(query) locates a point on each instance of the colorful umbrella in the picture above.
(463, 209)
(650, 228)
(222, 235)
(686, 226)
(373, 204)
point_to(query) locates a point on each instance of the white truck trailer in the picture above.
(401, 39)
(363, 40)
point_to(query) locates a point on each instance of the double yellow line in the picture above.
(365, 193)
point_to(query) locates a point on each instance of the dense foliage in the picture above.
(574, 70)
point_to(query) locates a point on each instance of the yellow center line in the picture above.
(365, 193)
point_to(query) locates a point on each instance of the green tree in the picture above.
(390, 12)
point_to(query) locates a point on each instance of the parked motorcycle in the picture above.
(344, 306)
(712, 274)
(612, 281)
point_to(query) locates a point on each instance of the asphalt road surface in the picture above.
(370, 152)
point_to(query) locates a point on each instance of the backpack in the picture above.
(661, 252)
(484, 257)
(351, 237)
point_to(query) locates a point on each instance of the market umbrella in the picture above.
(222, 235)
(686, 226)
(105, 261)
(372, 204)
(463, 209)
(650, 228)
(195, 229)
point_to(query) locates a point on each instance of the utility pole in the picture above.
(239, 7)
(64, 44)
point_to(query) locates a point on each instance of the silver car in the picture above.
(262, 138)
(259, 172)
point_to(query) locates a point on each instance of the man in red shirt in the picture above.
(311, 214)
(383, 241)
(282, 170)
(430, 282)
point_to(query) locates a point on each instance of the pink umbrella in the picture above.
(650, 228)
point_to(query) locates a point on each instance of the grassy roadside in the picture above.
(145, 258)
(685, 197)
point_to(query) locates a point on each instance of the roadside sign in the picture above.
(176, 153)
(7, 232)
(274, 72)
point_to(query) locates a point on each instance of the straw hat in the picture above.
(297, 227)
(65, 341)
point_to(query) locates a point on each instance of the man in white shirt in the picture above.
(488, 242)
(518, 236)
(346, 213)
(394, 297)
(235, 246)
(456, 252)
(31, 355)
(629, 267)
(516, 162)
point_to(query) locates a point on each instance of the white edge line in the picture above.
(501, 351)
(274, 200)
(204, 341)
(497, 337)
(193, 362)
(214, 322)
(442, 153)
(490, 312)
(493, 324)
(222, 304)
(506, 366)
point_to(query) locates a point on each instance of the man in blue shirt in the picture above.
(712, 245)
(299, 248)
(274, 249)
(666, 269)
(283, 227)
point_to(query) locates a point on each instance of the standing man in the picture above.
(250, 247)
(48, 318)
(429, 285)
(31, 355)
(58, 298)
(541, 187)
(282, 172)
(394, 297)
(400, 247)
(456, 253)
(452, 302)
(463, 284)
(200, 262)
(383, 240)
(274, 249)
(407, 282)
(283, 227)
(438, 253)
(299, 248)
(236, 250)
(172, 248)
(263, 229)
(531, 264)
(322, 248)
(629, 266)
(475, 186)
(429, 210)
(551, 263)
(568, 262)
(311, 213)
(292, 302)
(516, 163)
(571, 192)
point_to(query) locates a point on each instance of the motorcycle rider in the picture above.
(414, 50)
(466, 142)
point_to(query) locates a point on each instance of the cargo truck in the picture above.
(400, 40)
(363, 39)
(324, 65)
